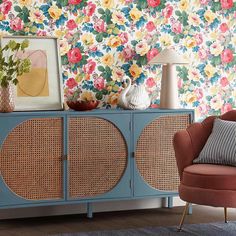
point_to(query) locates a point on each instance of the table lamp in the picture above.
(169, 86)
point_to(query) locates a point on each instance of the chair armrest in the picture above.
(183, 150)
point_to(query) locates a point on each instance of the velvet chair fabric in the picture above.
(205, 184)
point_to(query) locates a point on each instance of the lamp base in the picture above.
(169, 88)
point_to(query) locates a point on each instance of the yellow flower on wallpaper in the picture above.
(64, 47)
(117, 74)
(25, 2)
(216, 49)
(135, 14)
(209, 70)
(37, 16)
(142, 48)
(107, 59)
(114, 41)
(59, 33)
(190, 42)
(165, 40)
(113, 98)
(209, 16)
(135, 71)
(55, 12)
(118, 17)
(194, 19)
(87, 96)
(139, 35)
(87, 39)
(190, 97)
(184, 4)
(2, 16)
(107, 3)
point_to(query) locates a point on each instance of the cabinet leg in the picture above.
(169, 202)
(89, 210)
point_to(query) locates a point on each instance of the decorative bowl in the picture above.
(82, 105)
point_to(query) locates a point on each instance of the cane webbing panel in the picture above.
(31, 159)
(155, 154)
(97, 156)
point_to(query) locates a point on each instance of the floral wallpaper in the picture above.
(102, 41)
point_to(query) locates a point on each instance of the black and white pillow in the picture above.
(220, 147)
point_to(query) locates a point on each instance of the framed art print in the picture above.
(41, 88)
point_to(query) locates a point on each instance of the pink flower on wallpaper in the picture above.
(226, 107)
(153, 3)
(93, 48)
(128, 53)
(71, 24)
(74, 55)
(150, 26)
(41, 33)
(74, 2)
(227, 56)
(177, 27)
(152, 53)
(224, 81)
(180, 83)
(204, 2)
(100, 26)
(99, 83)
(199, 39)
(150, 82)
(167, 11)
(16, 24)
(226, 4)
(224, 27)
(90, 9)
(202, 53)
(124, 37)
(5, 7)
(89, 67)
(199, 93)
(71, 83)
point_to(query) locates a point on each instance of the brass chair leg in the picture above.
(183, 217)
(225, 213)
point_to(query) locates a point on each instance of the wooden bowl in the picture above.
(82, 105)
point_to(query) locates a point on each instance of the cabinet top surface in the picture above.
(92, 112)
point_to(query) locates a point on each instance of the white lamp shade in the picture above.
(168, 56)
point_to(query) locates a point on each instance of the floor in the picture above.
(110, 220)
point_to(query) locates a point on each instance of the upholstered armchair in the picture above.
(205, 184)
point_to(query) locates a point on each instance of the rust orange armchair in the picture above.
(205, 184)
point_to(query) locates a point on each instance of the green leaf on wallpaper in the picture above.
(178, 13)
(99, 37)
(101, 11)
(134, 42)
(215, 61)
(101, 68)
(64, 60)
(107, 74)
(99, 95)
(142, 4)
(141, 61)
(62, 3)
(176, 38)
(107, 16)
(216, 6)
(115, 31)
(17, 9)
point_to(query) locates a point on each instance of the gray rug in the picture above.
(211, 229)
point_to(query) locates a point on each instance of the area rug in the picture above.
(211, 229)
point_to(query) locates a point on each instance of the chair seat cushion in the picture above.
(210, 176)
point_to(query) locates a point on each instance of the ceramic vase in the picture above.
(7, 98)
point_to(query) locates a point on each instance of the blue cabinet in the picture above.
(67, 157)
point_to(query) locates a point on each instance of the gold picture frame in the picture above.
(41, 88)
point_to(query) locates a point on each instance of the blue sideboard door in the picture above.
(155, 170)
(98, 156)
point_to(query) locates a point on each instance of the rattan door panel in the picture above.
(31, 159)
(97, 156)
(154, 154)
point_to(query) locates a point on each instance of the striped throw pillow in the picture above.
(220, 147)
